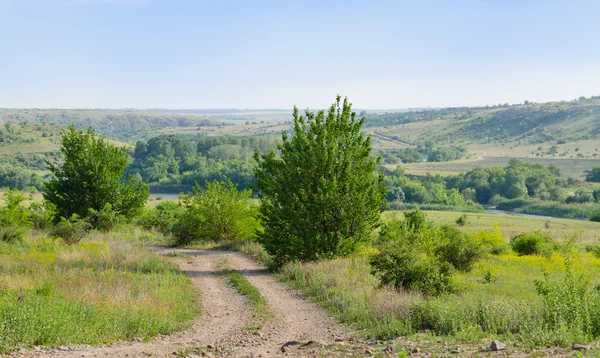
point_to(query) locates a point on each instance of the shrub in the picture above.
(72, 230)
(462, 220)
(41, 214)
(162, 217)
(595, 216)
(15, 220)
(492, 240)
(570, 303)
(105, 219)
(403, 267)
(459, 249)
(218, 213)
(533, 243)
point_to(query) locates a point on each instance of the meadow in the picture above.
(105, 288)
(512, 225)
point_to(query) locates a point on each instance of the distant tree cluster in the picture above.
(426, 153)
(176, 161)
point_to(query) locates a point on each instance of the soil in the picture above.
(297, 326)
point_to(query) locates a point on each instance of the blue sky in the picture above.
(276, 54)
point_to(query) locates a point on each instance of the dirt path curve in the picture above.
(296, 319)
(224, 317)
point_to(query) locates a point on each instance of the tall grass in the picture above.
(105, 288)
(506, 307)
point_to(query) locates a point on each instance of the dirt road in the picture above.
(222, 328)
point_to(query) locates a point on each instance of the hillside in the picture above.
(531, 123)
(124, 125)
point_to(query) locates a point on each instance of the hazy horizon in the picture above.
(183, 54)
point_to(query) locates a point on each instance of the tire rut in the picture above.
(225, 315)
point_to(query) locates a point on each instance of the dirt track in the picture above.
(225, 314)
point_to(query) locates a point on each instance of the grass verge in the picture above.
(103, 289)
(255, 300)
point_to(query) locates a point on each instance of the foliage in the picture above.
(593, 175)
(16, 177)
(462, 220)
(174, 163)
(517, 180)
(421, 190)
(401, 266)
(105, 219)
(162, 218)
(41, 214)
(570, 305)
(533, 243)
(459, 249)
(422, 154)
(491, 240)
(414, 254)
(595, 217)
(71, 230)
(105, 289)
(15, 219)
(320, 197)
(92, 177)
(216, 213)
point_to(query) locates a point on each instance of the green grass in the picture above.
(512, 225)
(570, 167)
(245, 288)
(253, 297)
(505, 306)
(104, 289)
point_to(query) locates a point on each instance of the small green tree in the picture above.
(320, 197)
(216, 213)
(593, 175)
(91, 177)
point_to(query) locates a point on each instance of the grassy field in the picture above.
(497, 299)
(512, 225)
(106, 288)
(570, 167)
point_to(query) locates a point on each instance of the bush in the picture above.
(462, 220)
(105, 219)
(533, 243)
(72, 230)
(595, 216)
(162, 217)
(15, 220)
(492, 240)
(570, 303)
(218, 213)
(459, 249)
(403, 267)
(41, 214)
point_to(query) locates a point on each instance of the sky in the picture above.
(277, 54)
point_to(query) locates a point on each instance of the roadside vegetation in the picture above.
(312, 208)
(73, 269)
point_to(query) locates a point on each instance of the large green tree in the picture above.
(320, 195)
(92, 176)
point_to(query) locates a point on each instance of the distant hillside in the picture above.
(530, 123)
(124, 125)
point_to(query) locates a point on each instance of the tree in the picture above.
(92, 177)
(593, 175)
(320, 197)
